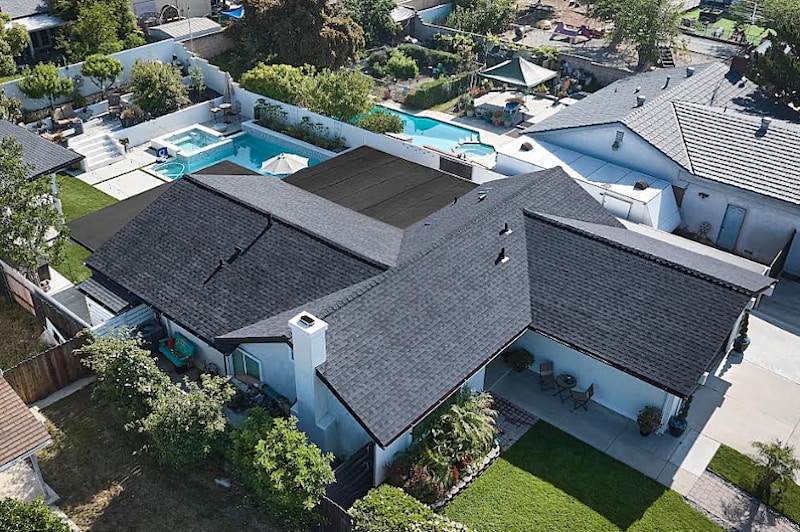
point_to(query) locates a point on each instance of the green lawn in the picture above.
(755, 34)
(108, 482)
(551, 481)
(79, 198)
(743, 471)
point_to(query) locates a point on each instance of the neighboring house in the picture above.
(735, 176)
(35, 17)
(368, 289)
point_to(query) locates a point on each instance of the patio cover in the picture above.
(517, 71)
(21, 434)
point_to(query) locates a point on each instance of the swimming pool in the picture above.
(189, 141)
(475, 149)
(435, 133)
(245, 150)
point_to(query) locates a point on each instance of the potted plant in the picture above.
(519, 359)
(649, 420)
(677, 424)
(131, 116)
(469, 107)
(742, 342)
(507, 119)
(497, 118)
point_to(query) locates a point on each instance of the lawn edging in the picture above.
(742, 472)
(464, 482)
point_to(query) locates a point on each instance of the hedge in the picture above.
(434, 92)
(426, 57)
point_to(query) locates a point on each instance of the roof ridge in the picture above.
(649, 256)
(674, 108)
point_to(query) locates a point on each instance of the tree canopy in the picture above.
(28, 213)
(103, 70)
(482, 16)
(96, 26)
(35, 516)
(13, 40)
(44, 81)
(642, 23)
(778, 68)
(375, 19)
(297, 32)
(157, 87)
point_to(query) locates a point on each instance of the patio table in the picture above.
(565, 383)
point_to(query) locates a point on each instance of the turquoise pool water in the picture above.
(192, 140)
(435, 133)
(245, 150)
(475, 149)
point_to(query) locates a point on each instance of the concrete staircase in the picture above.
(100, 150)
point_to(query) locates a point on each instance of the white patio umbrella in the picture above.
(285, 163)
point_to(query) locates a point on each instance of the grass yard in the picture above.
(108, 483)
(19, 334)
(78, 199)
(551, 481)
(743, 471)
(755, 34)
(446, 107)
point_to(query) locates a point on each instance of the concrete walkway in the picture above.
(735, 510)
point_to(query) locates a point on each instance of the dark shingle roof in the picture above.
(382, 186)
(47, 157)
(108, 293)
(647, 317)
(169, 256)
(24, 8)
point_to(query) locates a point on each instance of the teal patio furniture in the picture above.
(180, 351)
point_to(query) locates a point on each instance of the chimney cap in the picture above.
(689, 71)
(640, 100)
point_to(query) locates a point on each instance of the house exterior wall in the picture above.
(476, 382)
(204, 353)
(130, 318)
(613, 389)
(277, 366)
(98, 314)
(384, 457)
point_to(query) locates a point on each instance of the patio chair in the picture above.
(114, 104)
(581, 399)
(214, 109)
(546, 378)
(65, 116)
(235, 109)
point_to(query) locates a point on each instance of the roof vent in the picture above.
(640, 100)
(641, 185)
(637, 90)
(481, 195)
(689, 72)
(506, 230)
(666, 82)
(765, 122)
(501, 257)
(526, 146)
(618, 140)
(455, 200)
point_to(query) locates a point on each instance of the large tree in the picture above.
(157, 87)
(482, 16)
(13, 40)
(44, 81)
(103, 70)
(645, 24)
(375, 19)
(96, 26)
(297, 32)
(778, 68)
(28, 213)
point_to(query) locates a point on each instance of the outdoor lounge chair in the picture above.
(581, 399)
(114, 104)
(65, 116)
(546, 378)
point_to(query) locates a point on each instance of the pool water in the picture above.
(192, 140)
(245, 150)
(431, 132)
(475, 149)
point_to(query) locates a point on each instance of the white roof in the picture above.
(182, 30)
(38, 22)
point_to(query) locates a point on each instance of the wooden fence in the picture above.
(335, 517)
(46, 373)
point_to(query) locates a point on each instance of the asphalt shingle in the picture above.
(45, 156)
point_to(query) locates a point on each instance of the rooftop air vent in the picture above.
(689, 72)
(666, 82)
(640, 100)
(501, 257)
(641, 185)
(765, 123)
(506, 230)
(481, 195)
(526, 146)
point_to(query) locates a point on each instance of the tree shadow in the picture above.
(612, 489)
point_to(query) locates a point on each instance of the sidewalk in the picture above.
(734, 509)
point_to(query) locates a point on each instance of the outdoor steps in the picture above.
(100, 151)
(667, 58)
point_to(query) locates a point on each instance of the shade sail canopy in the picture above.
(517, 71)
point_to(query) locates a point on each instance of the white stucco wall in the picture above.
(347, 435)
(384, 457)
(476, 382)
(614, 389)
(277, 366)
(203, 353)
(97, 313)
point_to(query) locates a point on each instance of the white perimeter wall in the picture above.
(277, 366)
(614, 389)
(130, 318)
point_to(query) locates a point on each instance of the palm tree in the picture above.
(778, 463)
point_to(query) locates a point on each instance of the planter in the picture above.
(741, 344)
(470, 113)
(507, 123)
(676, 431)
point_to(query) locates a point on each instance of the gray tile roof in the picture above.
(169, 256)
(24, 8)
(45, 156)
(732, 148)
(107, 293)
(641, 315)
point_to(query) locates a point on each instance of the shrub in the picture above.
(315, 133)
(103, 70)
(433, 92)
(401, 66)
(649, 419)
(187, 427)
(286, 474)
(387, 508)
(778, 463)
(157, 87)
(17, 516)
(127, 375)
(426, 57)
(381, 122)
(284, 83)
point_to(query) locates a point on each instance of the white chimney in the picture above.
(308, 346)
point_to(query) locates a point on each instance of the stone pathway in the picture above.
(512, 422)
(734, 509)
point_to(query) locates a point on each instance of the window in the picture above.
(245, 364)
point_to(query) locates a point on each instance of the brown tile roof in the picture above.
(20, 431)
